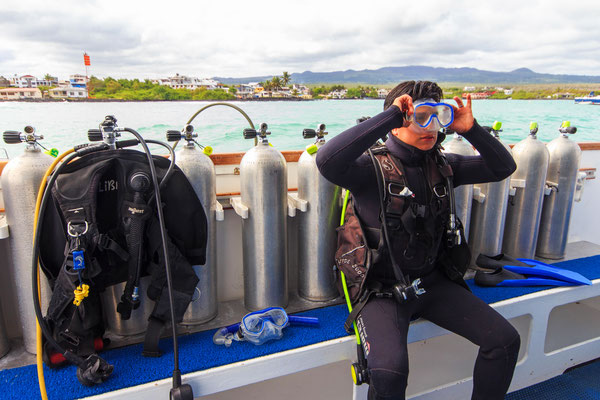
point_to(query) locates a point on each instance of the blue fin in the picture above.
(540, 269)
(505, 277)
(535, 281)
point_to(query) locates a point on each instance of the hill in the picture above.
(391, 75)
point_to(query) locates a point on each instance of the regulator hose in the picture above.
(38, 329)
(179, 391)
(220, 104)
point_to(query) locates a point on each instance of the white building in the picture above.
(30, 81)
(68, 92)
(190, 83)
(20, 93)
(382, 93)
(244, 91)
(78, 81)
(337, 94)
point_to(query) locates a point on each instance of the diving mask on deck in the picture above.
(259, 327)
(428, 112)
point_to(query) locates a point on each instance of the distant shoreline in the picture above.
(260, 99)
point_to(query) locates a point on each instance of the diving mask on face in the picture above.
(428, 112)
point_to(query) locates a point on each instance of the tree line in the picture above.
(125, 89)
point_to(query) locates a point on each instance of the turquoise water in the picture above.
(66, 124)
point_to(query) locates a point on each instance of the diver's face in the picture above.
(416, 136)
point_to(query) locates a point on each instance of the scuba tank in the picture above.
(489, 210)
(560, 184)
(200, 171)
(525, 206)
(464, 193)
(21, 180)
(317, 225)
(263, 206)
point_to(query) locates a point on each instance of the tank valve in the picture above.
(250, 133)
(533, 128)
(566, 128)
(174, 136)
(186, 133)
(108, 132)
(27, 136)
(319, 133)
(494, 129)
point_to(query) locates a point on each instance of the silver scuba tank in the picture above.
(200, 171)
(263, 206)
(317, 225)
(525, 206)
(489, 211)
(560, 184)
(21, 180)
(463, 194)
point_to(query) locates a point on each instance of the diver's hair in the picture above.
(417, 90)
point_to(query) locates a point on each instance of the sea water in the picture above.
(65, 124)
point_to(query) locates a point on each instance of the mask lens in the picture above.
(444, 114)
(423, 115)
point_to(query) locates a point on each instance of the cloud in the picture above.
(240, 38)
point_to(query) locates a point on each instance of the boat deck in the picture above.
(558, 327)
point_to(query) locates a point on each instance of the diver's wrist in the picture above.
(472, 130)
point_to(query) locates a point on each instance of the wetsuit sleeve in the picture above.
(339, 160)
(494, 163)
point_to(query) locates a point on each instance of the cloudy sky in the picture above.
(205, 38)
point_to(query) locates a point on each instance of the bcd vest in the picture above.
(417, 231)
(100, 216)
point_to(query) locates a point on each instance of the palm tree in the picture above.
(285, 78)
(276, 81)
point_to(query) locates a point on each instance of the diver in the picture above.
(411, 120)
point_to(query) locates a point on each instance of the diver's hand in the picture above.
(405, 104)
(463, 116)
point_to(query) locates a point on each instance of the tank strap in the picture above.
(153, 332)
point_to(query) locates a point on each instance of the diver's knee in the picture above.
(388, 384)
(507, 345)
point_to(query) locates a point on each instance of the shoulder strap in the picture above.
(396, 190)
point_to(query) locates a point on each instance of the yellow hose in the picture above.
(38, 329)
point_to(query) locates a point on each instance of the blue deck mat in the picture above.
(581, 383)
(197, 351)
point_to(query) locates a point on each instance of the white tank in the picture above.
(317, 225)
(264, 206)
(558, 202)
(200, 171)
(463, 195)
(525, 206)
(21, 180)
(488, 212)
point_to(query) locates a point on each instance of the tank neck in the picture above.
(33, 147)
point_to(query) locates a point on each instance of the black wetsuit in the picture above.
(447, 304)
